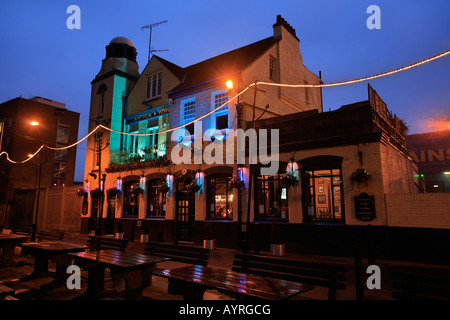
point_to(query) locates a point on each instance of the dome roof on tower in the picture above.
(122, 40)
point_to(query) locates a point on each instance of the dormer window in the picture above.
(272, 68)
(154, 85)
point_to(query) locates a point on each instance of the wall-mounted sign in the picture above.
(364, 207)
(147, 115)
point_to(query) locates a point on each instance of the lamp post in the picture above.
(34, 226)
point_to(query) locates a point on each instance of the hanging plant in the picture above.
(361, 175)
(136, 189)
(236, 183)
(289, 179)
(112, 192)
(81, 192)
(164, 188)
(193, 185)
(96, 194)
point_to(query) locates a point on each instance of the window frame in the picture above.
(266, 215)
(183, 114)
(154, 84)
(222, 111)
(151, 199)
(211, 197)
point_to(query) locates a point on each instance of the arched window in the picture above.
(156, 199)
(101, 92)
(130, 199)
(271, 198)
(220, 196)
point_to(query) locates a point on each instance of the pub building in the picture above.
(334, 170)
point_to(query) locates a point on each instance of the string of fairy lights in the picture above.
(256, 83)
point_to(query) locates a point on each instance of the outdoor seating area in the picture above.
(166, 271)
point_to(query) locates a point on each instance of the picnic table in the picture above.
(7, 244)
(135, 269)
(56, 251)
(195, 279)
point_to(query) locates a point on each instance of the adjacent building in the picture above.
(26, 125)
(431, 153)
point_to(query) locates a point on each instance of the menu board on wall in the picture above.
(364, 207)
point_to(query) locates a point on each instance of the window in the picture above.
(221, 115)
(154, 85)
(98, 144)
(156, 203)
(220, 197)
(188, 108)
(63, 134)
(271, 198)
(272, 68)
(60, 161)
(323, 194)
(101, 102)
(130, 199)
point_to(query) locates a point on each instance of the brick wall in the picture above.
(425, 210)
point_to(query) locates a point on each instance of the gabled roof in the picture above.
(178, 71)
(223, 65)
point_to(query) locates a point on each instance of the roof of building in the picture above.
(178, 71)
(122, 40)
(223, 65)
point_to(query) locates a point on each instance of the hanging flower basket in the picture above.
(136, 189)
(236, 183)
(81, 192)
(289, 179)
(193, 186)
(361, 175)
(112, 192)
(164, 188)
(95, 193)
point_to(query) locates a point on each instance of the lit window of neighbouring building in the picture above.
(154, 82)
(221, 115)
(60, 160)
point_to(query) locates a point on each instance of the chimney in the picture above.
(277, 28)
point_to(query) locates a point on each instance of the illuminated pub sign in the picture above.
(148, 114)
(430, 151)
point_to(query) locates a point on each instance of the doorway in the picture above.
(185, 213)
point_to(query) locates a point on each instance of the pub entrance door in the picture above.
(185, 213)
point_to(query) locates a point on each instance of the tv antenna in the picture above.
(150, 26)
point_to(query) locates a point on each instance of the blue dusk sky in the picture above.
(40, 56)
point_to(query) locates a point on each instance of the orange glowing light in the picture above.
(229, 84)
(34, 123)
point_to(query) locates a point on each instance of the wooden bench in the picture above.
(50, 236)
(5, 291)
(22, 230)
(329, 276)
(411, 286)
(103, 243)
(186, 254)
